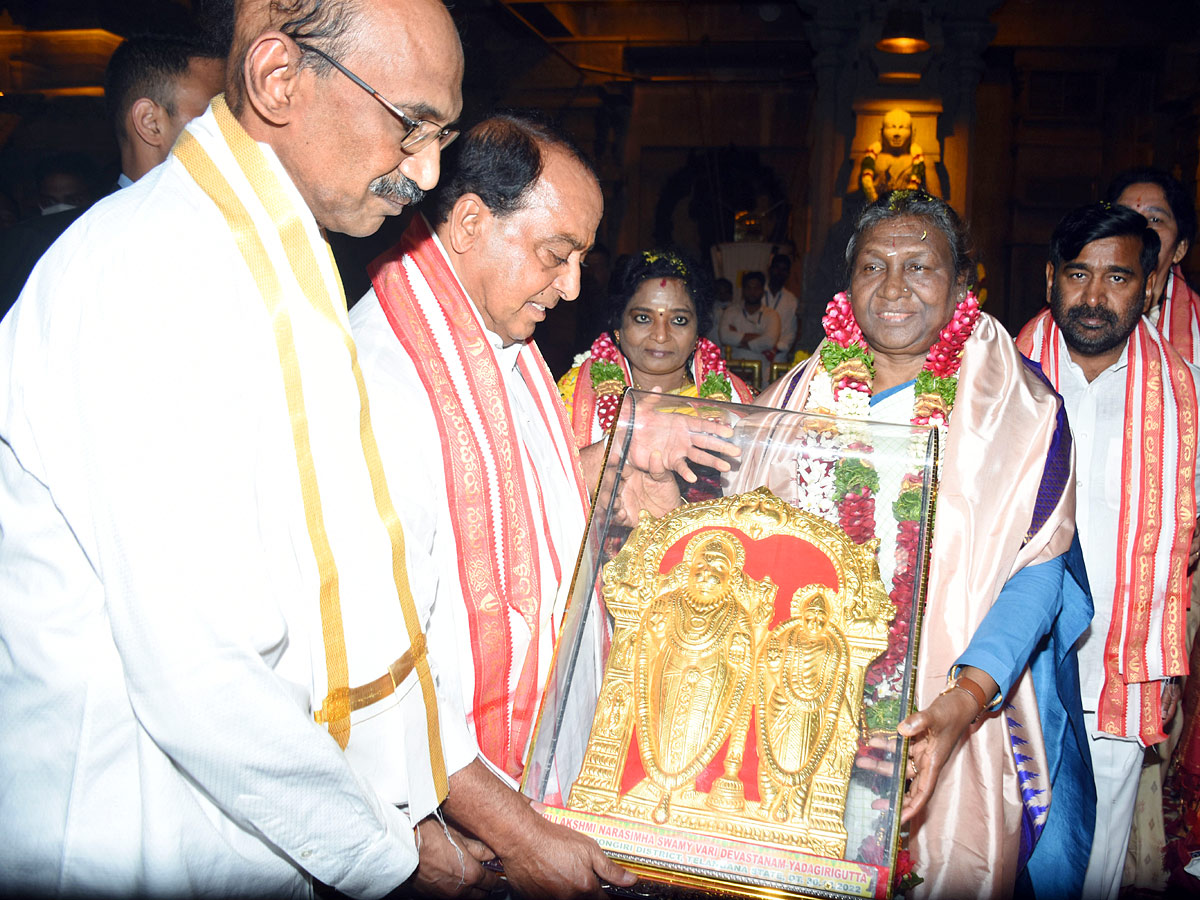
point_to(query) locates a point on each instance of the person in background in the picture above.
(66, 187)
(750, 328)
(785, 304)
(1175, 307)
(660, 303)
(722, 298)
(65, 181)
(153, 86)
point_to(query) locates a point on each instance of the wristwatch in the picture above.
(972, 687)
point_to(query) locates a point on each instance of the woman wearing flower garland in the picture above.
(659, 306)
(907, 343)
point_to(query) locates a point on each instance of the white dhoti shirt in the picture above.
(163, 650)
(412, 450)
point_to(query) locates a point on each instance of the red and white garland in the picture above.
(610, 375)
(842, 387)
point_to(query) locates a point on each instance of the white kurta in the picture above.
(736, 323)
(159, 614)
(410, 444)
(787, 307)
(1096, 411)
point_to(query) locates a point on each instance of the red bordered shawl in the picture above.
(495, 526)
(1179, 319)
(1147, 637)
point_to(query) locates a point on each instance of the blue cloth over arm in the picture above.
(1036, 620)
(1021, 616)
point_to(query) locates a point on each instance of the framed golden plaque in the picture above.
(736, 655)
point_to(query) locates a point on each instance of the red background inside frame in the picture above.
(792, 563)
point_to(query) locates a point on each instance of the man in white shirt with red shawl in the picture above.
(1131, 400)
(469, 417)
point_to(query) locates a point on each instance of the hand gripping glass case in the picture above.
(721, 710)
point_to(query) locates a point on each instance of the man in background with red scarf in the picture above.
(1175, 311)
(1131, 400)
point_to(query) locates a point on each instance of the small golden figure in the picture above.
(895, 161)
(806, 665)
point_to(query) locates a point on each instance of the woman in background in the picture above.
(660, 303)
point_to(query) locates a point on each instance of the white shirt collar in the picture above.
(1073, 367)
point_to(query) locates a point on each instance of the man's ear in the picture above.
(1049, 280)
(468, 218)
(1151, 291)
(148, 122)
(1181, 250)
(272, 73)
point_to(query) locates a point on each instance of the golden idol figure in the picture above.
(693, 666)
(802, 685)
(694, 658)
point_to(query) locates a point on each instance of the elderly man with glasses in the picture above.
(223, 673)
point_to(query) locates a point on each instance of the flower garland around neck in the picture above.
(842, 387)
(609, 382)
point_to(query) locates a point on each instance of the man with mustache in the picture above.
(1131, 400)
(214, 676)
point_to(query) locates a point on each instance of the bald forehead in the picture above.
(571, 186)
(417, 40)
(425, 24)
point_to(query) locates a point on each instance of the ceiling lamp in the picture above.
(903, 31)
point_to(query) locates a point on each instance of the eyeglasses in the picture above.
(420, 131)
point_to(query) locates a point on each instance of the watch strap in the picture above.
(972, 687)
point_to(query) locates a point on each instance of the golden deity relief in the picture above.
(728, 706)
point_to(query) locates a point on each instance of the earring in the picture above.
(617, 335)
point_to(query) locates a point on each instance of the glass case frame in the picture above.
(802, 478)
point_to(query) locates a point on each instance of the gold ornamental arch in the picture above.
(711, 671)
